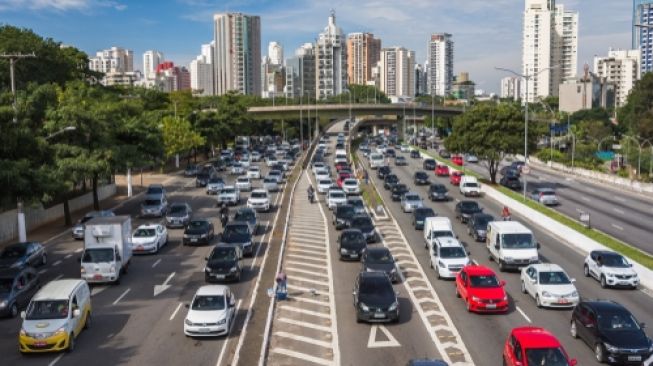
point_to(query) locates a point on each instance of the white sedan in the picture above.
(229, 195)
(211, 313)
(237, 169)
(323, 185)
(149, 238)
(318, 165)
(350, 186)
(254, 172)
(322, 174)
(243, 183)
(549, 285)
(336, 197)
(410, 201)
(259, 200)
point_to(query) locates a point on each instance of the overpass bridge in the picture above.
(337, 111)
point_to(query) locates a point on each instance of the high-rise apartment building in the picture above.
(440, 61)
(275, 53)
(363, 52)
(151, 59)
(643, 33)
(397, 72)
(201, 71)
(300, 73)
(511, 88)
(273, 73)
(171, 78)
(331, 61)
(117, 64)
(621, 67)
(550, 47)
(237, 60)
(420, 80)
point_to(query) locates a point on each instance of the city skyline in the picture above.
(486, 34)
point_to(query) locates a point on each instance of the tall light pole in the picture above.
(639, 156)
(13, 58)
(526, 78)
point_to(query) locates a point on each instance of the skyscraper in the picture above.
(363, 52)
(643, 33)
(201, 71)
(151, 59)
(300, 72)
(397, 72)
(550, 47)
(511, 87)
(237, 60)
(331, 61)
(440, 61)
(275, 53)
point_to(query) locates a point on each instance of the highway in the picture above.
(484, 335)
(130, 325)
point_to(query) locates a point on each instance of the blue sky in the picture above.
(487, 33)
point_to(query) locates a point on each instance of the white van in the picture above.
(376, 160)
(55, 316)
(448, 257)
(511, 244)
(469, 186)
(436, 228)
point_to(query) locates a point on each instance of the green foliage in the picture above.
(178, 136)
(637, 114)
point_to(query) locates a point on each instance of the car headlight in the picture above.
(535, 259)
(609, 275)
(188, 322)
(60, 331)
(393, 270)
(650, 348)
(203, 236)
(343, 251)
(476, 299)
(394, 306)
(112, 269)
(441, 264)
(233, 269)
(574, 294)
(364, 307)
(505, 297)
(207, 269)
(610, 348)
(547, 294)
(3, 304)
(186, 236)
(222, 321)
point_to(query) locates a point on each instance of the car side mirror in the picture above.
(353, 293)
(533, 280)
(642, 325)
(206, 258)
(572, 280)
(397, 293)
(502, 283)
(23, 314)
(232, 303)
(76, 313)
(118, 258)
(79, 259)
(497, 246)
(186, 305)
(630, 265)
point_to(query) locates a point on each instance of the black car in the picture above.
(191, 170)
(198, 231)
(202, 179)
(383, 171)
(375, 299)
(351, 244)
(465, 210)
(429, 164)
(357, 202)
(438, 192)
(444, 153)
(397, 191)
(342, 216)
(477, 226)
(178, 215)
(17, 286)
(248, 215)
(390, 180)
(238, 233)
(420, 215)
(380, 260)
(223, 264)
(510, 181)
(420, 178)
(612, 331)
(415, 154)
(390, 153)
(366, 226)
(400, 161)
(509, 171)
(21, 255)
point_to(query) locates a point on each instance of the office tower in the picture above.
(397, 72)
(363, 52)
(331, 61)
(117, 64)
(151, 59)
(643, 33)
(300, 73)
(440, 61)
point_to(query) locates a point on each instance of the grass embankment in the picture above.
(613, 243)
(368, 191)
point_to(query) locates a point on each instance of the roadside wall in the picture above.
(37, 216)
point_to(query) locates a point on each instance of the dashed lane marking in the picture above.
(617, 227)
(56, 263)
(174, 313)
(156, 263)
(55, 360)
(620, 212)
(58, 277)
(67, 256)
(121, 296)
(303, 339)
(302, 356)
(523, 314)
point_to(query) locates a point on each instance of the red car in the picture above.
(454, 178)
(457, 159)
(442, 170)
(481, 290)
(534, 346)
(341, 178)
(341, 165)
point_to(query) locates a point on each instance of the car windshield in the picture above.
(452, 252)
(47, 309)
(269, 180)
(259, 195)
(517, 241)
(228, 191)
(104, 255)
(546, 357)
(235, 233)
(617, 321)
(13, 252)
(391, 178)
(216, 180)
(612, 260)
(344, 211)
(421, 175)
(442, 234)
(379, 257)
(177, 209)
(144, 233)
(154, 190)
(438, 188)
(223, 254)
(208, 303)
(5, 285)
(469, 206)
(337, 195)
(244, 216)
(399, 188)
(422, 213)
(243, 180)
(350, 182)
(547, 193)
(275, 172)
(482, 221)
(152, 202)
(203, 176)
(471, 185)
(376, 286)
(325, 182)
(412, 197)
(352, 237)
(198, 224)
(356, 203)
(554, 278)
(484, 281)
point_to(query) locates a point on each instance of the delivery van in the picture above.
(107, 249)
(511, 244)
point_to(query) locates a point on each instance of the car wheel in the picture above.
(88, 321)
(469, 306)
(502, 266)
(503, 361)
(437, 273)
(586, 270)
(573, 330)
(158, 247)
(538, 302)
(457, 293)
(71, 343)
(13, 310)
(604, 283)
(523, 287)
(44, 259)
(599, 353)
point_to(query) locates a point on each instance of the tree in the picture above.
(179, 136)
(637, 114)
(490, 131)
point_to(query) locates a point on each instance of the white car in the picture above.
(259, 200)
(471, 158)
(322, 174)
(149, 238)
(229, 195)
(211, 312)
(323, 185)
(237, 169)
(611, 269)
(244, 184)
(276, 174)
(410, 201)
(316, 166)
(245, 162)
(448, 257)
(214, 185)
(256, 156)
(404, 148)
(270, 161)
(336, 197)
(254, 172)
(350, 186)
(549, 285)
(271, 184)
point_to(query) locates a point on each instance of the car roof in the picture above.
(547, 267)
(378, 249)
(57, 290)
(605, 305)
(148, 226)
(212, 290)
(346, 231)
(535, 337)
(478, 270)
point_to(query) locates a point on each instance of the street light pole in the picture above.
(13, 58)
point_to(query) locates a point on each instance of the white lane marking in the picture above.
(55, 360)
(311, 273)
(156, 263)
(523, 314)
(58, 277)
(620, 199)
(42, 271)
(304, 311)
(294, 337)
(302, 356)
(174, 313)
(300, 323)
(56, 263)
(373, 343)
(585, 199)
(121, 296)
(67, 256)
(97, 290)
(620, 212)
(79, 250)
(231, 327)
(310, 280)
(591, 189)
(617, 227)
(160, 288)
(305, 257)
(311, 301)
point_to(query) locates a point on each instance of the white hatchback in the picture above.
(549, 285)
(336, 197)
(254, 172)
(323, 185)
(350, 186)
(243, 183)
(211, 312)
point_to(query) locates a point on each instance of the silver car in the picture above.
(410, 201)
(545, 196)
(154, 206)
(214, 185)
(229, 195)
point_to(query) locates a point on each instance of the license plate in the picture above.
(204, 330)
(40, 344)
(193, 240)
(634, 358)
(379, 315)
(220, 277)
(624, 282)
(140, 247)
(563, 301)
(353, 256)
(491, 306)
(97, 277)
